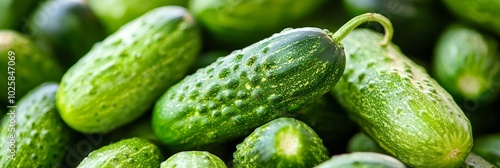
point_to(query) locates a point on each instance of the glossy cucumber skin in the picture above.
(362, 160)
(120, 78)
(40, 135)
(400, 106)
(467, 63)
(116, 13)
(480, 12)
(193, 159)
(488, 147)
(283, 142)
(241, 23)
(248, 88)
(30, 65)
(132, 152)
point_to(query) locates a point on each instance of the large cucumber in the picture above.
(400, 106)
(32, 133)
(362, 160)
(24, 66)
(193, 159)
(283, 142)
(120, 78)
(467, 64)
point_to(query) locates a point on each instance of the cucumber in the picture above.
(400, 106)
(250, 87)
(488, 147)
(476, 161)
(467, 64)
(362, 160)
(361, 142)
(33, 134)
(24, 66)
(120, 78)
(193, 159)
(116, 13)
(283, 142)
(483, 13)
(68, 28)
(241, 23)
(132, 152)
(13, 13)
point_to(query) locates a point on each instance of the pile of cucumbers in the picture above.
(257, 83)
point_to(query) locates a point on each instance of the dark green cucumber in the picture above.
(484, 13)
(33, 134)
(116, 13)
(68, 28)
(362, 160)
(120, 78)
(400, 106)
(476, 161)
(488, 147)
(24, 66)
(132, 152)
(241, 23)
(283, 142)
(193, 159)
(361, 142)
(467, 64)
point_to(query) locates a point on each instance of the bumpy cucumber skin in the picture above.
(488, 147)
(476, 161)
(32, 65)
(463, 54)
(193, 159)
(116, 13)
(241, 23)
(40, 134)
(481, 12)
(132, 152)
(362, 160)
(248, 88)
(264, 147)
(120, 78)
(400, 106)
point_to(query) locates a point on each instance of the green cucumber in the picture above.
(476, 161)
(193, 159)
(488, 147)
(68, 28)
(467, 64)
(33, 134)
(116, 13)
(361, 142)
(483, 13)
(120, 78)
(283, 142)
(400, 106)
(241, 23)
(362, 160)
(250, 87)
(25, 66)
(132, 152)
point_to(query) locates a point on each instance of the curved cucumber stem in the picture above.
(363, 18)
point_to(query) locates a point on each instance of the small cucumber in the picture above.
(120, 78)
(132, 152)
(361, 142)
(467, 64)
(241, 23)
(24, 66)
(484, 13)
(362, 160)
(476, 161)
(283, 142)
(250, 87)
(400, 106)
(488, 147)
(193, 159)
(68, 28)
(116, 13)
(33, 134)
